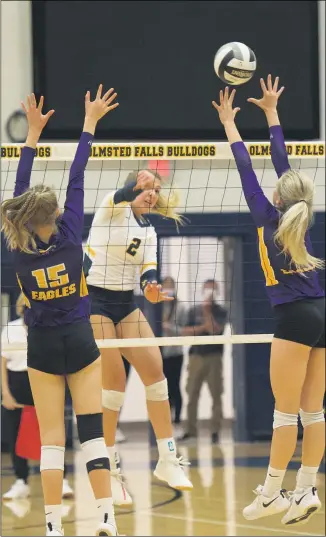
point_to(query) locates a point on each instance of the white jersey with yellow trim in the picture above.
(118, 247)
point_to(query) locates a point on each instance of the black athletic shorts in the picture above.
(61, 350)
(302, 321)
(115, 305)
(20, 387)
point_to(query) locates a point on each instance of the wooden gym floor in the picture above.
(223, 478)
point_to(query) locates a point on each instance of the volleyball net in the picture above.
(217, 243)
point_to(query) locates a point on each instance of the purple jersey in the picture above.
(52, 278)
(283, 282)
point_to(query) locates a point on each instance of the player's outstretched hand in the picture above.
(146, 181)
(225, 109)
(154, 294)
(101, 106)
(271, 94)
(36, 120)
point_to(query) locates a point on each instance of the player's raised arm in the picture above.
(260, 207)
(36, 123)
(268, 103)
(73, 217)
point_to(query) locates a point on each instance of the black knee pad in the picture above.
(90, 426)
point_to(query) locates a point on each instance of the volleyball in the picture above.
(235, 63)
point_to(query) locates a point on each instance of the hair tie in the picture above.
(305, 201)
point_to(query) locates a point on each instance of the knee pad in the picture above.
(309, 418)
(158, 391)
(90, 432)
(52, 458)
(89, 426)
(284, 420)
(96, 455)
(112, 400)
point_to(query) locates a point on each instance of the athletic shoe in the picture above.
(304, 503)
(53, 532)
(18, 491)
(171, 471)
(67, 491)
(120, 494)
(120, 437)
(106, 529)
(264, 506)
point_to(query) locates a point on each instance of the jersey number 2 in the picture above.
(133, 247)
(51, 278)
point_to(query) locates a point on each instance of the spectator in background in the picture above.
(205, 361)
(174, 317)
(16, 392)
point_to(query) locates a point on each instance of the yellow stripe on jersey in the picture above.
(90, 251)
(146, 266)
(122, 204)
(26, 301)
(83, 285)
(264, 260)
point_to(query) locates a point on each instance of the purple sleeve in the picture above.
(24, 170)
(261, 209)
(73, 217)
(278, 150)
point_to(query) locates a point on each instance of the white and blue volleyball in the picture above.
(235, 63)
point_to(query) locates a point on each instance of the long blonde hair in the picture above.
(296, 192)
(166, 205)
(22, 215)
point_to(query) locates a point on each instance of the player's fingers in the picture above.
(112, 107)
(226, 93)
(40, 104)
(49, 114)
(252, 100)
(29, 103)
(280, 91)
(99, 91)
(276, 81)
(269, 83)
(216, 106)
(107, 94)
(33, 100)
(263, 85)
(87, 96)
(23, 107)
(236, 110)
(231, 99)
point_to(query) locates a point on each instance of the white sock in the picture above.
(105, 510)
(113, 457)
(166, 448)
(307, 476)
(273, 481)
(53, 515)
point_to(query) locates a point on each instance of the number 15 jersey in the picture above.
(118, 247)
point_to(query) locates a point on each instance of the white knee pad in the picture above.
(309, 418)
(283, 420)
(52, 458)
(158, 391)
(95, 454)
(112, 400)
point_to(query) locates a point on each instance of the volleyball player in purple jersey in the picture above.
(48, 259)
(297, 366)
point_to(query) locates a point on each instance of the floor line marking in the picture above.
(245, 526)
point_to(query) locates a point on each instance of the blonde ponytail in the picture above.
(296, 195)
(22, 215)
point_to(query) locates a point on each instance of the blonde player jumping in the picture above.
(297, 365)
(118, 247)
(48, 260)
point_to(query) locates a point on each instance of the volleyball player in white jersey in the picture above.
(119, 246)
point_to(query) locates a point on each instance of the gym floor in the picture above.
(223, 478)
